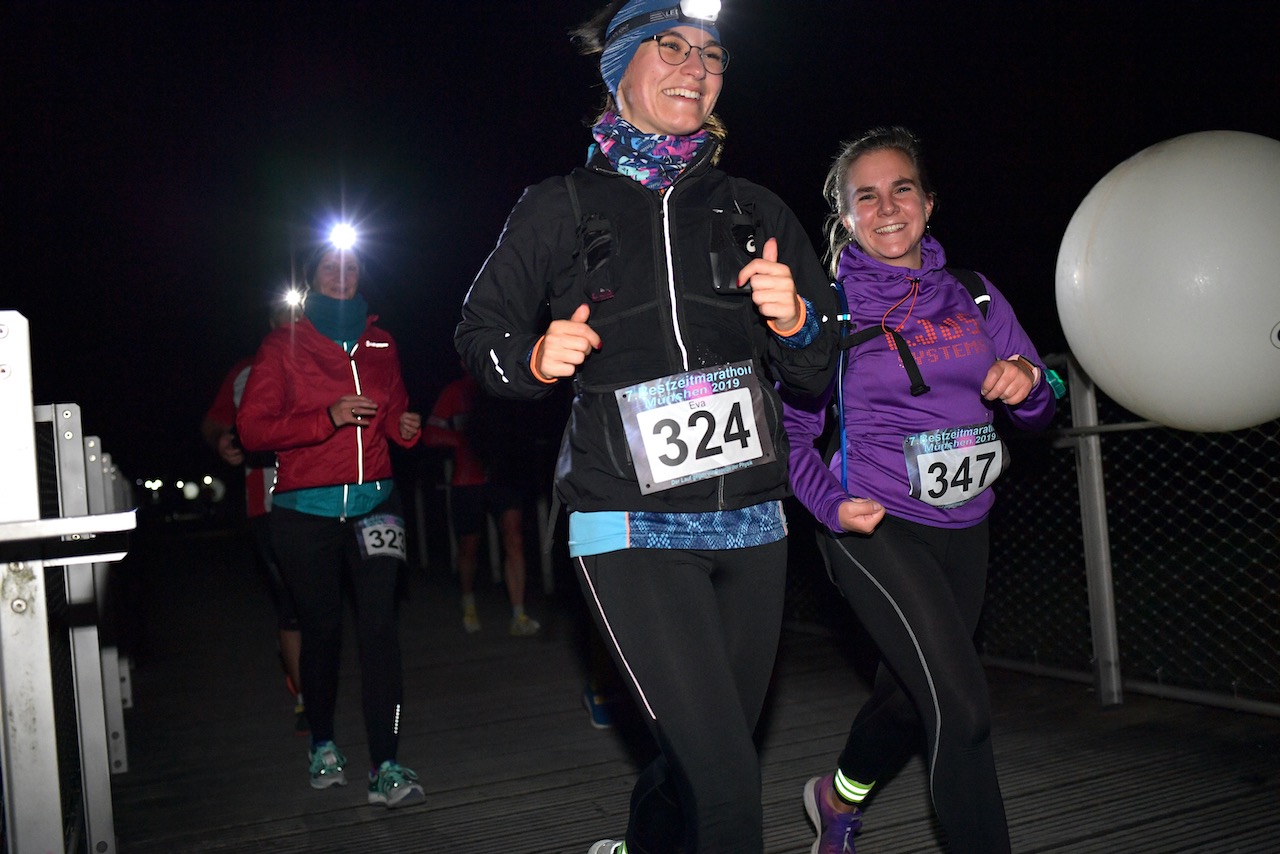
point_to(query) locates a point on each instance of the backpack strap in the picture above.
(573, 198)
(834, 426)
(974, 285)
(918, 386)
(553, 512)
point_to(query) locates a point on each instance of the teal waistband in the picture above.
(351, 499)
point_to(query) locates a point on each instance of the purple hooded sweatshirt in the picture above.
(954, 347)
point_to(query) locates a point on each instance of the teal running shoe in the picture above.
(327, 763)
(395, 786)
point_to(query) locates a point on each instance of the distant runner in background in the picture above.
(485, 481)
(327, 395)
(219, 431)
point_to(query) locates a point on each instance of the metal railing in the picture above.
(64, 516)
(1129, 555)
(1163, 576)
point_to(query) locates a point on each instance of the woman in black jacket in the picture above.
(678, 296)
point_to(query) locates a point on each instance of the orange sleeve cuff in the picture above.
(533, 363)
(804, 312)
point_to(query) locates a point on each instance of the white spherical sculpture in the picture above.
(1168, 282)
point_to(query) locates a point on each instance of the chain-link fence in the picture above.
(1194, 526)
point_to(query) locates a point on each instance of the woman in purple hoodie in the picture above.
(918, 392)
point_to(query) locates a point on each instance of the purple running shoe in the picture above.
(835, 829)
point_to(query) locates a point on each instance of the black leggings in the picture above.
(281, 598)
(315, 552)
(694, 635)
(918, 591)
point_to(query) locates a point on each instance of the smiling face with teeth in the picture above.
(668, 99)
(888, 209)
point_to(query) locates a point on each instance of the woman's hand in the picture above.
(1008, 381)
(352, 409)
(860, 515)
(772, 288)
(410, 424)
(566, 345)
(229, 449)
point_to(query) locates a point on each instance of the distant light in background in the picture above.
(215, 488)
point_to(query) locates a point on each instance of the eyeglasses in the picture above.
(675, 49)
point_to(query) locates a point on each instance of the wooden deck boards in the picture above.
(494, 726)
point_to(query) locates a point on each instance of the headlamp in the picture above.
(700, 10)
(690, 11)
(343, 235)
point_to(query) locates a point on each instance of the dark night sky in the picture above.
(162, 159)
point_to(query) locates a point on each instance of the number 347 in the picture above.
(962, 479)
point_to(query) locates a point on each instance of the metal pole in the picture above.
(28, 748)
(1097, 542)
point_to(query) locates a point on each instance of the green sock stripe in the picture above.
(850, 791)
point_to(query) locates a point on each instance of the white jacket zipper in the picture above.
(671, 276)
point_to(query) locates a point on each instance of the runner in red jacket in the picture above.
(326, 395)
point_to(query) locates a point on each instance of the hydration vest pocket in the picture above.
(596, 249)
(733, 245)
